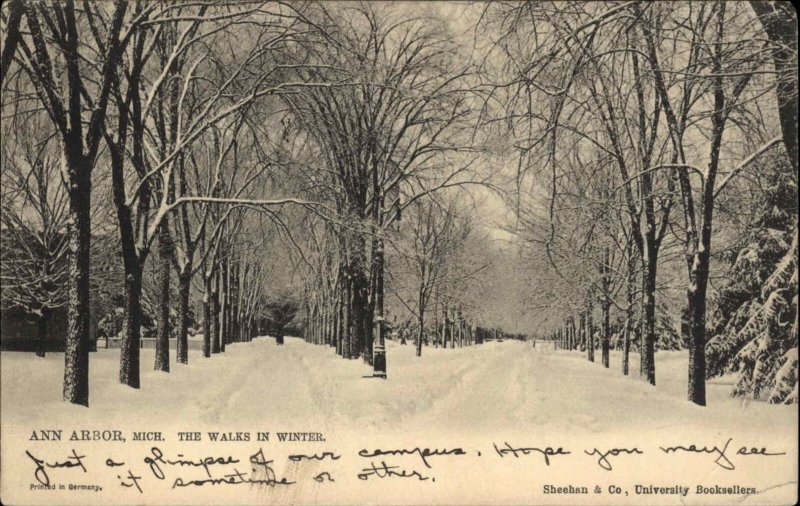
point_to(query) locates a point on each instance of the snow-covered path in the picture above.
(491, 387)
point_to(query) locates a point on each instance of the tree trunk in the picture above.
(647, 366)
(589, 326)
(347, 320)
(235, 326)
(780, 23)
(182, 342)
(445, 328)
(452, 328)
(435, 332)
(222, 306)
(697, 326)
(215, 342)
(339, 325)
(327, 325)
(361, 344)
(335, 326)
(606, 306)
(459, 329)
(698, 286)
(312, 322)
(574, 335)
(606, 332)
(420, 333)
(76, 349)
(696, 386)
(342, 318)
(378, 294)
(162, 341)
(231, 314)
(129, 350)
(41, 332)
(207, 338)
(15, 9)
(630, 298)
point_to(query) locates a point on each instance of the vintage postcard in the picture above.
(398, 253)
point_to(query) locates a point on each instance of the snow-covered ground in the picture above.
(475, 396)
(494, 385)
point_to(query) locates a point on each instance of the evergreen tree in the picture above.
(754, 322)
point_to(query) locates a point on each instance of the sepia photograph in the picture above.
(398, 252)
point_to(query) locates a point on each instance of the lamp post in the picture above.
(379, 350)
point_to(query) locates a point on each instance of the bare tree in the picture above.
(436, 231)
(731, 70)
(33, 215)
(779, 20)
(12, 22)
(79, 119)
(397, 104)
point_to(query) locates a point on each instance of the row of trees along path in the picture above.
(181, 113)
(636, 120)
